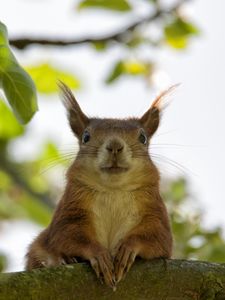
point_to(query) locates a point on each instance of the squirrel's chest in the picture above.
(115, 214)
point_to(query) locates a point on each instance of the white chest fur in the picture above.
(115, 214)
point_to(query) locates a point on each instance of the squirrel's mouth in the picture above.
(114, 169)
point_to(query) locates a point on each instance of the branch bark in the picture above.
(118, 36)
(154, 280)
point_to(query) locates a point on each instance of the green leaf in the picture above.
(20, 92)
(116, 72)
(129, 67)
(136, 40)
(9, 126)
(3, 34)
(46, 76)
(177, 43)
(99, 46)
(17, 85)
(117, 5)
(178, 32)
(136, 67)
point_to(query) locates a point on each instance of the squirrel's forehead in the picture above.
(115, 124)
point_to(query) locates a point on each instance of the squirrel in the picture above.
(111, 211)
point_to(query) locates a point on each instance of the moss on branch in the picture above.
(155, 280)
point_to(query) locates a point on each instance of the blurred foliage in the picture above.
(9, 126)
(17, 85)
(174, 30)
(29, 189)
(192, 240)
(133, 68)
(117, 5)
(46, 76)
(178, 32)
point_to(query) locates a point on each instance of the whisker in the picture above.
(93, 154)
(171, 145)
(176, 145)
(53, 164)
(47, 169)
(173, 163)
(57, 159)
(164, 133)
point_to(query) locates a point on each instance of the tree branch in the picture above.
(118, 36)
(150, 280)
(12, 172)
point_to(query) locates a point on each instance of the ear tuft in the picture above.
(159, 102)
(150, 120)
(68, 98)
(77, 119)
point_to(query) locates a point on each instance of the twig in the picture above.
(118, 36)
(11, 171)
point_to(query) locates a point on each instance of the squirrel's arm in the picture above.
(71, 234)
(151, 238)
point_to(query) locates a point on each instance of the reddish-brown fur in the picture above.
(111, 210)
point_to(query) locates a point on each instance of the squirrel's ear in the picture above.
(151, 118)
(77, 119)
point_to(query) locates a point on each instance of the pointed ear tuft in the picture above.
(77, 119)
(150, 120)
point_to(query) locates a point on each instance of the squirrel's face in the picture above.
(112, 150)
(112, 147)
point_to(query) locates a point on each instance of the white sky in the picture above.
(195, 118)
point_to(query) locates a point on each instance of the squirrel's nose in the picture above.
(114, 146)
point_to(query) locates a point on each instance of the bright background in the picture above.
(193, 125)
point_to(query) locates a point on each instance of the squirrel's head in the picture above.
(113, 151)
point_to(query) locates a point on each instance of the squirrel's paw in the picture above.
(103, 266)
(123, 260)
(69, 260)
(51, 261)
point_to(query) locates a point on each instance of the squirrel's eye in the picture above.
(86, 137)
(143, 138)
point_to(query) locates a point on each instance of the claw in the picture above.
(74, 260)
(103, 266)
(94, 265)
(124, 259)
